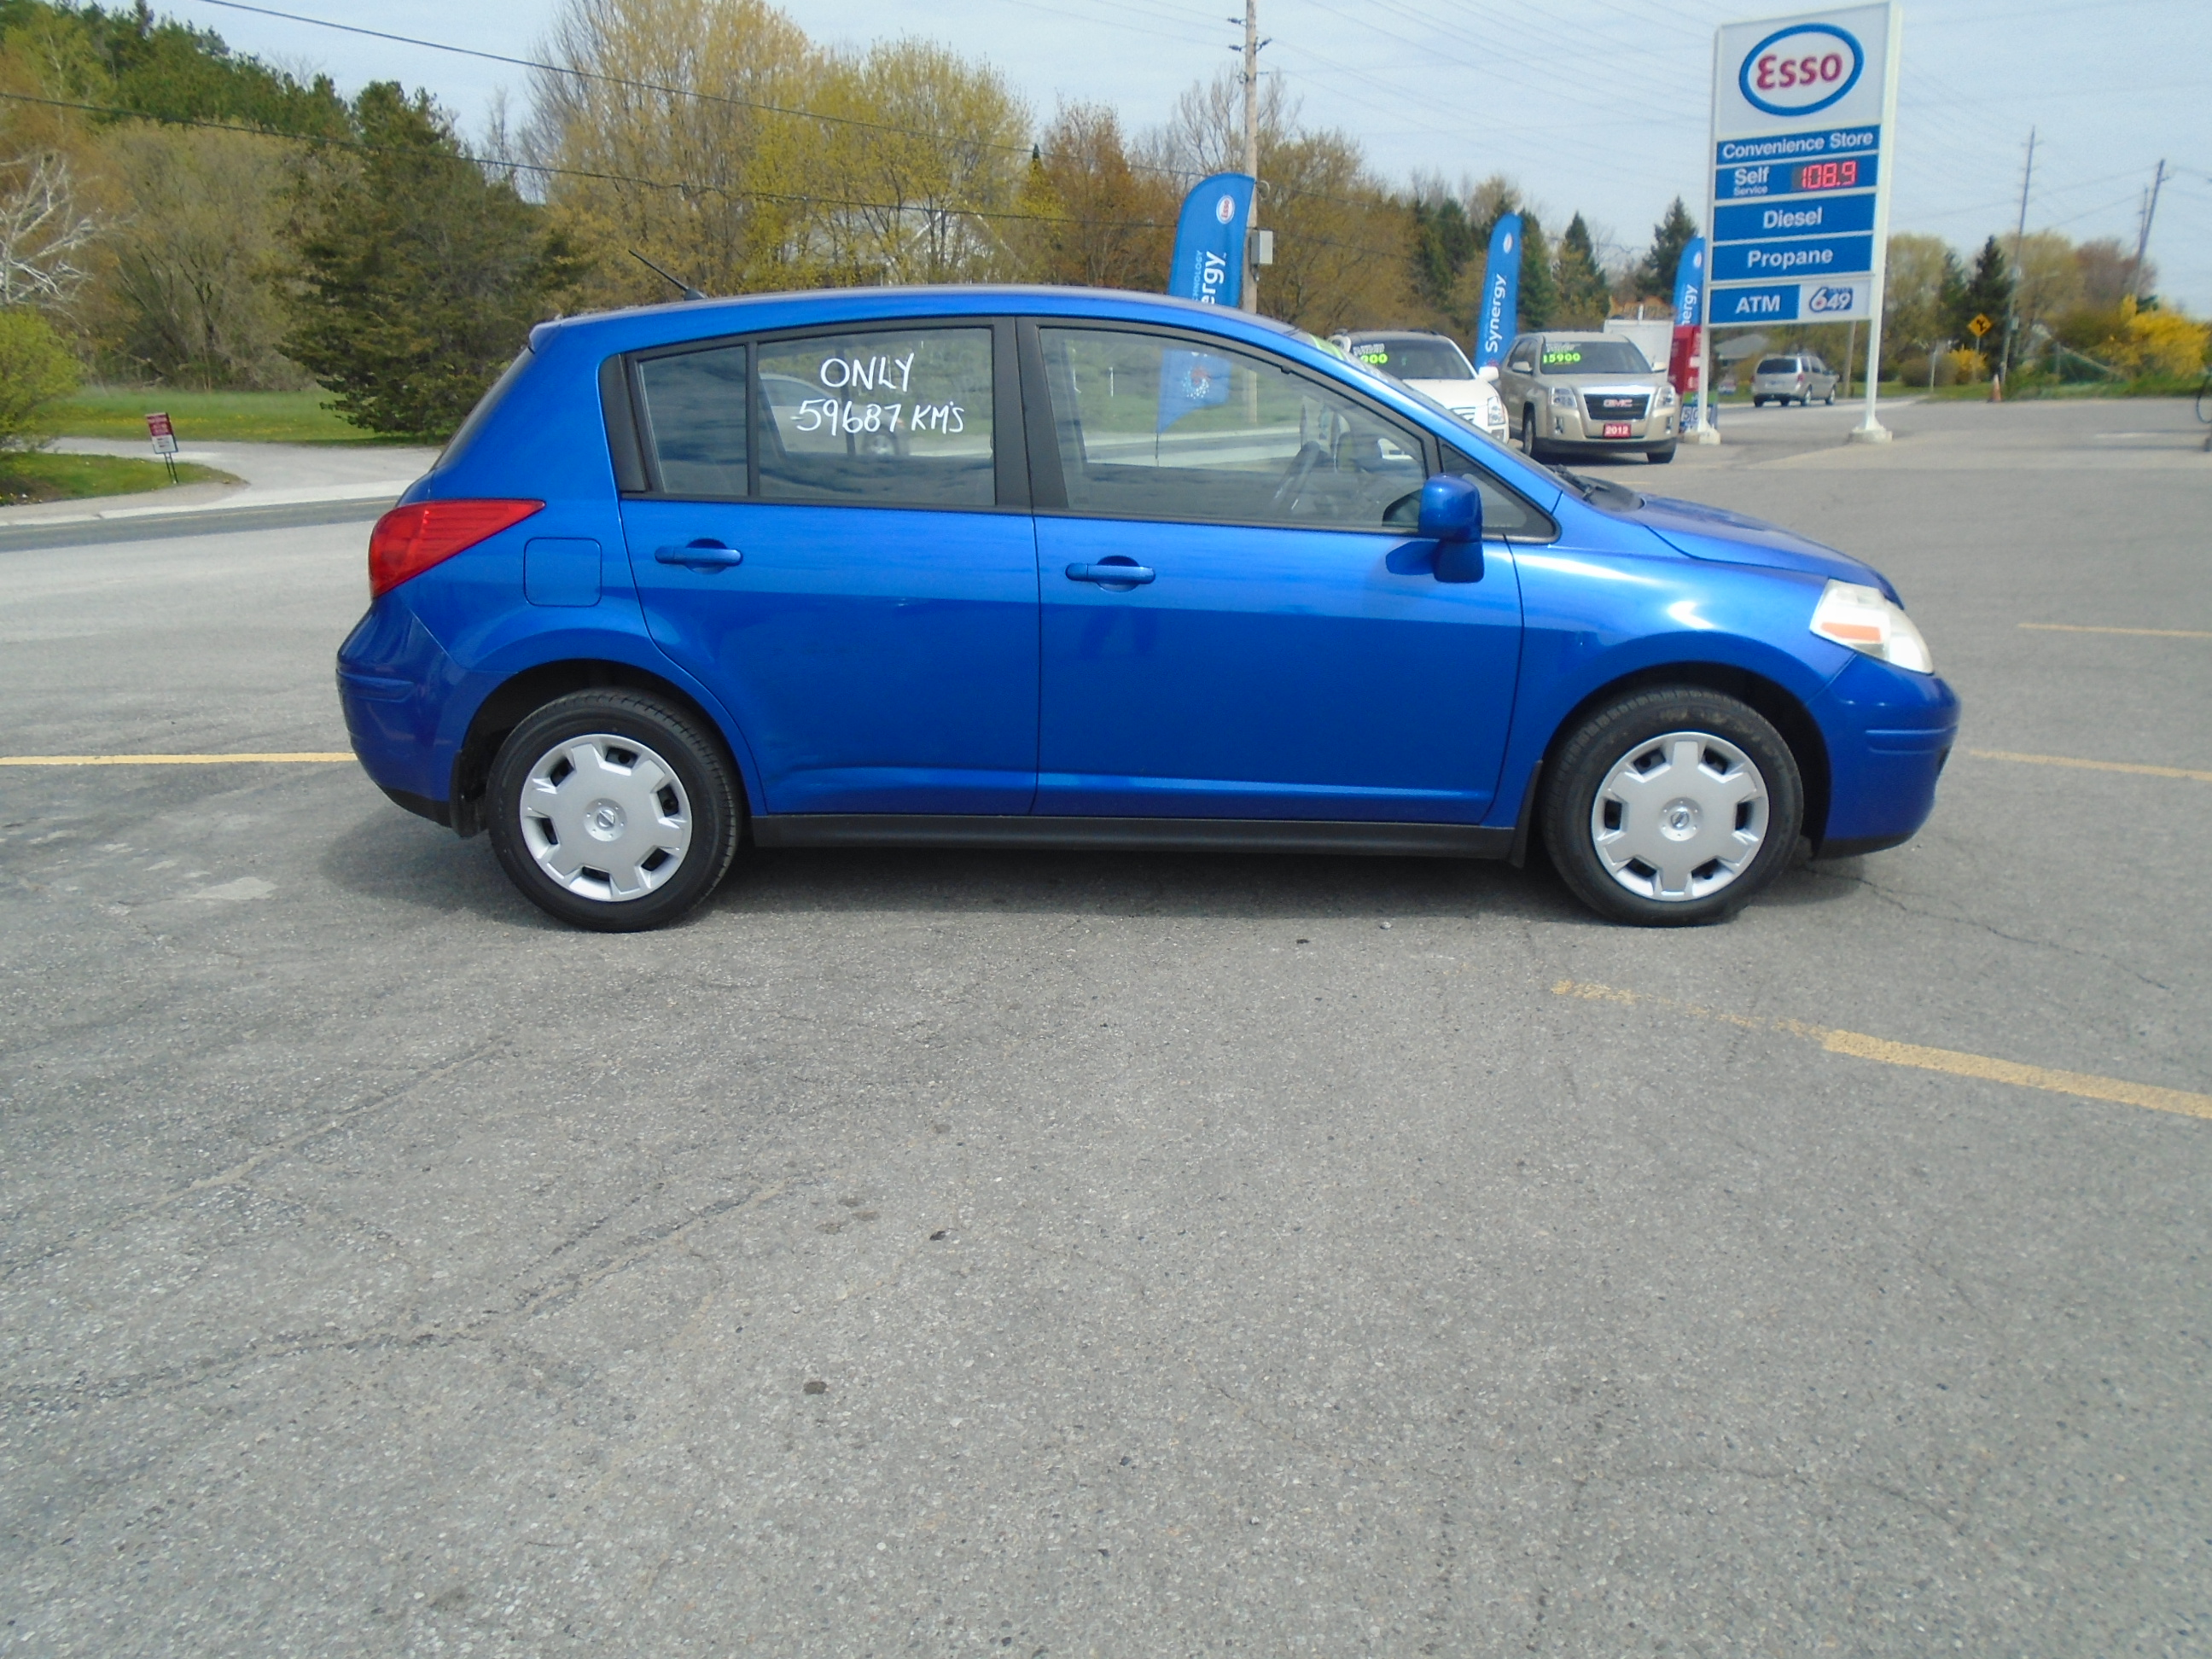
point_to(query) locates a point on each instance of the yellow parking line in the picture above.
(2087, 628)
(2086, 1085)
(2091, 765)
(160, 760)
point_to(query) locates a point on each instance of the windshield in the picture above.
(1416, 358)
(1593, 357)
(1778, 366)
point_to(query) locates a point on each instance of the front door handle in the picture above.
(1125, 575)
(700, 556)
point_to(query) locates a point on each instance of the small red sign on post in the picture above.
(165, 442)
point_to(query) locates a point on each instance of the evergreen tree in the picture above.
(1655, 272)
(1443, 245)
(416, 277)
(1585, 297)
(127, 59)
(1988, 292)
(1540, 288)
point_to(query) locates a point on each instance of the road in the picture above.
(1065, 1254)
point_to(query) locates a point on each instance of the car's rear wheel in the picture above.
(1672, 806)
(1758, 403)
(1831, 399)
(612, 810)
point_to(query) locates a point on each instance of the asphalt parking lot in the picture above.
(1066, 1255)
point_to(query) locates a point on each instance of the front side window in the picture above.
(1151, 427)
(890, 418)
(1504, 513)
(694, 421)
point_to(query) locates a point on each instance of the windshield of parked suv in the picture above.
(1593, 357)
(1414, 359)
(1778, 366)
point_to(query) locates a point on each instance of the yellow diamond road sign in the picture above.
(1979, 326)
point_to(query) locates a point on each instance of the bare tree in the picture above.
(42, 234)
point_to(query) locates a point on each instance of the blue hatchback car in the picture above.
(1052, 567)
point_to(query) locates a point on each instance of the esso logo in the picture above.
(1801, 70)
(1225, 208)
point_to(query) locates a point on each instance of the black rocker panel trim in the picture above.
(1460, 841)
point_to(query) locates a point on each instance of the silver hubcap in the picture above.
(1680, 816)
(605, 817)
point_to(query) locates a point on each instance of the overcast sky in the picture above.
(1595, 105)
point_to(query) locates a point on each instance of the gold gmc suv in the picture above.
(1583, 394)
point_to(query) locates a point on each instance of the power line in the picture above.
(497, 164)
(604, 80)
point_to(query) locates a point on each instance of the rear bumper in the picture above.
(395, 682)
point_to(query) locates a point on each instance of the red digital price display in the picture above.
(1827, 175)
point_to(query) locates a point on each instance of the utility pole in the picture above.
(2143, 241)
(1252, 45)
(2019, 236)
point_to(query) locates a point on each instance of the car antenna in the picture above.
(683, 287)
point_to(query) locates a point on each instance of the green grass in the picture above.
(268, 417)
(43, 477)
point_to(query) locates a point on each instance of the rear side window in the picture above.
(884, 417)
(695, 420)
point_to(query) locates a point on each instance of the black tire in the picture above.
(1830, 400)
(1611, 736)
(1531, 445)
(707, 799)
(1758, 403)
(1660, 456)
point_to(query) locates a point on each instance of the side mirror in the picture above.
(1451, 517)
(1488, 372)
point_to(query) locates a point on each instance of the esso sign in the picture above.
(1801, 70)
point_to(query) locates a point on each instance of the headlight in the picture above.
(1666, 394)
(1562, 396)
(1866, 619)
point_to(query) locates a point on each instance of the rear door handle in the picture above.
(1130, 576)
(700, 556)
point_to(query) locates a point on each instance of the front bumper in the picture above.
(1888, 734)
(1574, 425)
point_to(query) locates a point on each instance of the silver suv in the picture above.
(1587, 394)
(1796, 379)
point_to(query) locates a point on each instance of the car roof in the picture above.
(1400, 334)
(642, 326)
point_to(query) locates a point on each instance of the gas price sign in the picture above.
(1803, 108)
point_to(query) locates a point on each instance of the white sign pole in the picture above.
(1707, 433)
(1871, 430)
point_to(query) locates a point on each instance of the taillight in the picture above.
(408, 540)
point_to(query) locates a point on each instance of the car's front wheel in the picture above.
(1529, 445)
(612, 810)
(1672, 806)
(1660, 456)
